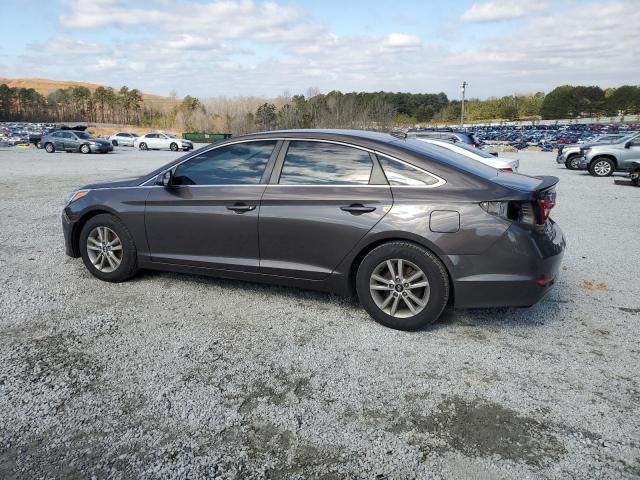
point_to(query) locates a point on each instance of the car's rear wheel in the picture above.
(402, 285)
(85, 148)
(107, 248)
(114, 143)
(38, 144)
(174, 147)
(573, 162)
(49, 148)
(143, 146)
(601, 167)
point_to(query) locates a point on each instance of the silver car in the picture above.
(123, 139)
(569, 155)
(602, 160)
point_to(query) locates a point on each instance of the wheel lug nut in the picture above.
(395, 294)
(404, 294)
(397, 279)
(406, 285)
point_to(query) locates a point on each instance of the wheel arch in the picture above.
(77, 228)
(419, 241)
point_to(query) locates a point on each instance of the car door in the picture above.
(322, 198)
(58, 140)
(630, 153)
(208, 215)
(68, 141)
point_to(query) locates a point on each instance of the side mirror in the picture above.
(164, 179)
(628, 145)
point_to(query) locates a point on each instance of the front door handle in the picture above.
(357, 209)
(241, 207)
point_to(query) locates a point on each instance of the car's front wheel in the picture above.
(107, 248)
(402, 285)
(601, 167)
(573, 162)
(174, 147)
(85, 148)
(143, 146)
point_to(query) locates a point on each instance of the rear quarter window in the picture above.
(401, 174)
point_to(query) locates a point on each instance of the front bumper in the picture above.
(517, 271)
(68, 231)
(583, 164)
(101, 148)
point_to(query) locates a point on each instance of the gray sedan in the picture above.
(406, 226)
(75, 141)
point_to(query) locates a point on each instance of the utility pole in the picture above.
(462, 89)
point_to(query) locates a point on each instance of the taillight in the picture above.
(545, 207)
(523, 212)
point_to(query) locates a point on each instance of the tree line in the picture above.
(363, 110)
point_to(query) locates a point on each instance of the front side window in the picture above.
(401, 174)
(322, 163)
(237, 164)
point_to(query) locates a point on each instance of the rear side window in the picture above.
(238, 164)
(401, 174)
(323, 163)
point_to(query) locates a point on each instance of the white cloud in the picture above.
(501, 10)
(249, 48)
(402, 40)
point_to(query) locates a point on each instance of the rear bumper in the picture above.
(517, 271)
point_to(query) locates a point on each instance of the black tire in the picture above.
(114, 143)
(598, 167)
(143, 146)
(174, 147)
(433, 269)
(573, 162)
(39, 144)
(129, 264)
(85, 149)
(49, 148)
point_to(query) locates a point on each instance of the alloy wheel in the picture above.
(399, 288)
(104, 249)
(602, 168)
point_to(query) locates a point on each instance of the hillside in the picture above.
(45, 86)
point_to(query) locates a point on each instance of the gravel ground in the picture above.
(189, 377)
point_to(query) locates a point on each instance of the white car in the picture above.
(162, 140)
(505, 164)
(124, 139)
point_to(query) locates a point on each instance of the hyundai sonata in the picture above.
(406, 226)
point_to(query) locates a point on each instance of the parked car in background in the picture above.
(603, 159)
(506, 165)
(569, 155)
(75, 141)
(406, 225)
(123, 139)
(157, 141)
(462, 137)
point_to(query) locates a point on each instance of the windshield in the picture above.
(82, 135)
(448, 157)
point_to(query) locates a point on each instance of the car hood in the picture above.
(123, 182)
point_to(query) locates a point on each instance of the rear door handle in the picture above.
(357, 208)
(241, 207)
